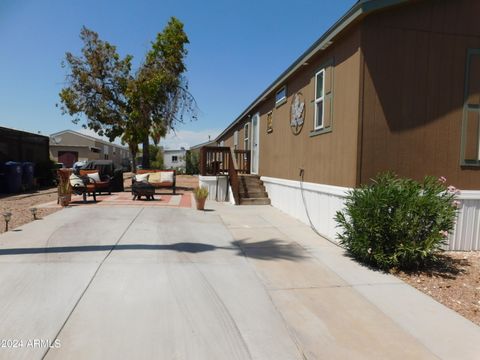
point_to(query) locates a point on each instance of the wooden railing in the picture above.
(215, 160)
(220, 160)
(243, 161)
(233, 177)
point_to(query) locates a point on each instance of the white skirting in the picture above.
(467, 230)
(217, 190)
(323, 201)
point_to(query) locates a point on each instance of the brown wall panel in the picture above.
(328, 158)
(414, 84)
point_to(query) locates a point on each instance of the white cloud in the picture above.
(173, 140)
(187, 138)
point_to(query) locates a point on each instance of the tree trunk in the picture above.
(134, 162)
(146, 153)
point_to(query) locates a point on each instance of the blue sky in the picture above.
(237, 48)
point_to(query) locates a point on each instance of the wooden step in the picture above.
(249, 189)
(250, 181)
(253, 194)
(255, 201)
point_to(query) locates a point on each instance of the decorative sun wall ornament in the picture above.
(269, 122)
(297, 113)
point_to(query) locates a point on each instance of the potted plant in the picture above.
(200, 194)
(64, 188)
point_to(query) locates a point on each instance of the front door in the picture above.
(68, 158)
(255, 142)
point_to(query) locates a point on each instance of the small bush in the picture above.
(397, 222)
(200, 193)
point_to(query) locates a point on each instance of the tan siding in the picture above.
(415, 59)
(83, 153)
(328, 158)
(75, 140)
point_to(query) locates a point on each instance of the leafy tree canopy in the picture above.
(114, 101)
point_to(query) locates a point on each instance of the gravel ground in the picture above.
(455, 283)
(19, 206)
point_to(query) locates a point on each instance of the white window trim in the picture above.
(235, 139)
(283, 99)
(320, 99)
(246, 136)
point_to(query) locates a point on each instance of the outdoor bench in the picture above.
(159, 178)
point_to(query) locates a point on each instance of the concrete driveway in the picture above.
(233, 283)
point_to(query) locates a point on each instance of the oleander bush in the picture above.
(397, 223)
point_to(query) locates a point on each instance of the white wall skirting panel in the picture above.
(323, 201)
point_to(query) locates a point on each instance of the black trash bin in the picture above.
(28, 169)
(116, 183)
(13, 177)
(2, 178)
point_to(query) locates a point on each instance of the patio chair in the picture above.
(83, 185)
(100, 186)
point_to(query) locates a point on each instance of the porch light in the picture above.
(7, 216)
(34, 212)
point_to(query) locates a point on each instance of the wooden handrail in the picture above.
(243, 161)
(222, 160)
(233, 177)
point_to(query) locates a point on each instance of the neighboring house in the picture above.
(197, 148)
(22, 146)
(69, 146)
(174, 159)
(392, 85)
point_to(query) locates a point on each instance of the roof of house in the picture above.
(88, 137)
(12, 130)
(357, 12)
(173, 150)
(206, 143)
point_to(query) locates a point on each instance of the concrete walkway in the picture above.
(233, 283)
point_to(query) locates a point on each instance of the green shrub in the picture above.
(397, 222)
(192, 162)
(200, 193)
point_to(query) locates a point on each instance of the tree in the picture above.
(97, 86)
(192, 160)
(156, 153)
(113, 102)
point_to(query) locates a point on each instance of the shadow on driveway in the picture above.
(265, 250)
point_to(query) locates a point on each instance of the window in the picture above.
(323, 99)
(470, 142)
(222, 143)
(174, 158)
(105, 156)
(235, 139)
(319, 99)
(281, 96)
(246, 135)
